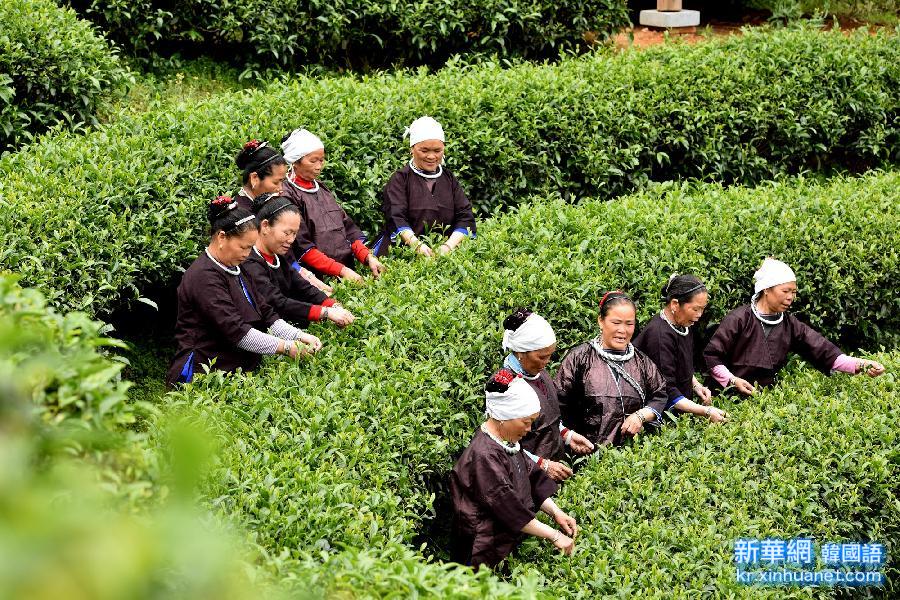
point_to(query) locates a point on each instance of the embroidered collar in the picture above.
(425, 174)
(230, 271)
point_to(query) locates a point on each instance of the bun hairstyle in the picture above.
(515, 320)
(258, 157)
(614, 298)
(499, 381)
(682, 288)
(229, 217)
(270, 206)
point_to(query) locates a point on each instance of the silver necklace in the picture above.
(420, 173)
(598, 347)
(277, 264)
(756, 314)
(236, 271)
(674, 327)
(510, 448)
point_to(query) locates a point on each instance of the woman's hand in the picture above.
(375, 265)
(351, 275)
(871, 368)
(340, 316)
(716, 415)
(444, 249)
(313, 343)
(580, 444)
(633, 425)
(424, 250)
(564, 543)
(557, 470)
(704, 394)
(566, 523)
(743, 386)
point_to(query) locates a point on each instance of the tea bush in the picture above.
(57, 361)
(368, 429)
(737, 110)
(292, 33)
(54, 69)
(815, 457)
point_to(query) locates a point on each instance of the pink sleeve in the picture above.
(721, 374)
(845, 364)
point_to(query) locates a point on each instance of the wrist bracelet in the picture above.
(556, 537)
(324, 313)
(641, 417)
(708, 411)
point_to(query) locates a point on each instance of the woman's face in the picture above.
(310, 166)
(277, 237)
(617, 327)
(428, 154)
(269, 184)
(689, 313)
(514, 430)
(536, 361)
(780, 297)
(233, 250)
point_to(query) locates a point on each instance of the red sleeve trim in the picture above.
(317, 259)
(360, 251)
(315, 312)
(564, 431)
(329, 302)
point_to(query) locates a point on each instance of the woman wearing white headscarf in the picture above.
(754, 341)
(532, 342)
(328, 240)
(424, 196)
(496, 490)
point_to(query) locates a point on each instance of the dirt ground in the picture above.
(643, 37)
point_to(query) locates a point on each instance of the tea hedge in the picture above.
(292, 33)
(54, 69)
(815, 457)
(738, 110)
(367, 430)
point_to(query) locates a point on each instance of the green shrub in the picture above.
(270, 33)
(368, 429)
(814, 457)
(54, 69)
(737, 110)
(57, 361)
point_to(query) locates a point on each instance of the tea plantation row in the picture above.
(273, 33)
(367, 430)
(54, 69)
(738, 110)
(331, 465)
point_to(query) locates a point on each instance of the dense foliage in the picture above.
(54, 69)
(738, 111)
(367, 430)
(291, 33)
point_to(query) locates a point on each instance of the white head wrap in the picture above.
(518, 401)
(424, 128)
(300, 143)
(772, 272)
(534, 334)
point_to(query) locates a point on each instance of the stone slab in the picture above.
(668, 20)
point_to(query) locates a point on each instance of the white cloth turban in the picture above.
(424, 128)
(534, 334)
(300, 143)
(518, 401)
(772, 272)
